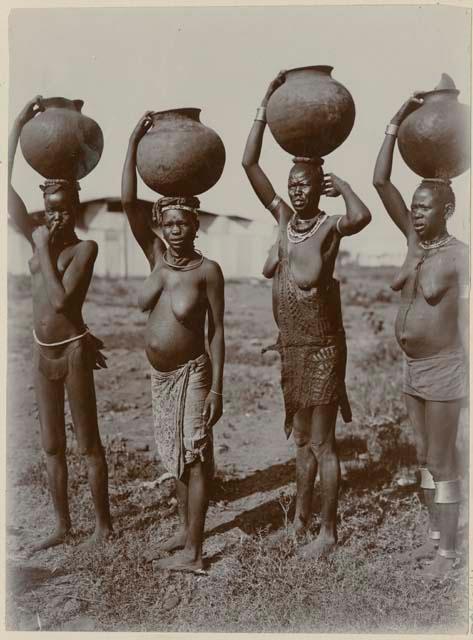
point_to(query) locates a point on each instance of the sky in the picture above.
(122, 62)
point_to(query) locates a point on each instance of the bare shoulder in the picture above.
(462, 248)
(87, 249)
(332, 221)
(82, 254)
(462, 255)
(285, 212)
(212, 271)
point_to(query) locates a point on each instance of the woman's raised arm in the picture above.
(390, 196)
(258, 179)
(138, 214)
(16, 207)
(357, 213)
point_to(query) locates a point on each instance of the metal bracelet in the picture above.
(392, 129)
(275, 202)
(447, 492)
(451, 554)
(216, 393)
(261, 114)
(426, 479)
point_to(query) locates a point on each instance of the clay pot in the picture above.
(311, 114)
(434, 140)
(179, 156)
(60, 142)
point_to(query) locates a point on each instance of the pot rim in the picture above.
(189, 110)
(74, 102)
(318, 67)
(422, 94)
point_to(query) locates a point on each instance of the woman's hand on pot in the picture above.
(274, 84)
(411, 104)
(332, 185)
(213, 408)
(30, 110)
(144, 124)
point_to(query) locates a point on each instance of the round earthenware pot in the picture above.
(61, 142)
(311, 114)
(434, 140)
(180, 156)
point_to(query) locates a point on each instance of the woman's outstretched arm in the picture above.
(16, 207)
(138, 213)
(390, 196)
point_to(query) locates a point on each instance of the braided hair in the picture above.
(71, 187)
(186, 204)
(442, 188)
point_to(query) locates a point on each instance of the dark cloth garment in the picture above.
(81, 352)
(311, 344)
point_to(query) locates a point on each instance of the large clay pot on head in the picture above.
(311, 114)
(61, 142)
(179, 156)
(434, 140)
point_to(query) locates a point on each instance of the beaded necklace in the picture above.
(184, 267)
(296, 236)
(436, 244)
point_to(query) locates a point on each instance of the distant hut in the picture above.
(238, 243)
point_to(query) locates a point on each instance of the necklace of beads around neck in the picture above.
(188, 266)
(295, 236)
(436, 244)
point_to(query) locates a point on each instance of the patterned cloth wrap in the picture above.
(83, 352)
(311, 344)
(439, 378)
(178, 401)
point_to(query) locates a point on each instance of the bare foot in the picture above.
(99, 537)
(427, 550)
(296, 530)
(60, 536)
(177, 541)
(439, 568)
(182, 561)
(321, 546)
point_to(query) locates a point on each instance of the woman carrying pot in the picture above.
(65, 352)
(306, 304)
(183, 291)
(432, 330)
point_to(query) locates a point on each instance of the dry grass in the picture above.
(255, 582)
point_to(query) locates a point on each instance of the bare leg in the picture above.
(324, 448)
(306, 470)
(417, 416)
(82, 402)
(442, 419)
(197, 476)
(50, 398)
(190, 558)
(178, 540)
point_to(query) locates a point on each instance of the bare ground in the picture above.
(255, 581)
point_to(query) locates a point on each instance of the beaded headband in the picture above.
(180, 207)
(167, 203)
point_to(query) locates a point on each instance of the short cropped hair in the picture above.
(441, 188)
